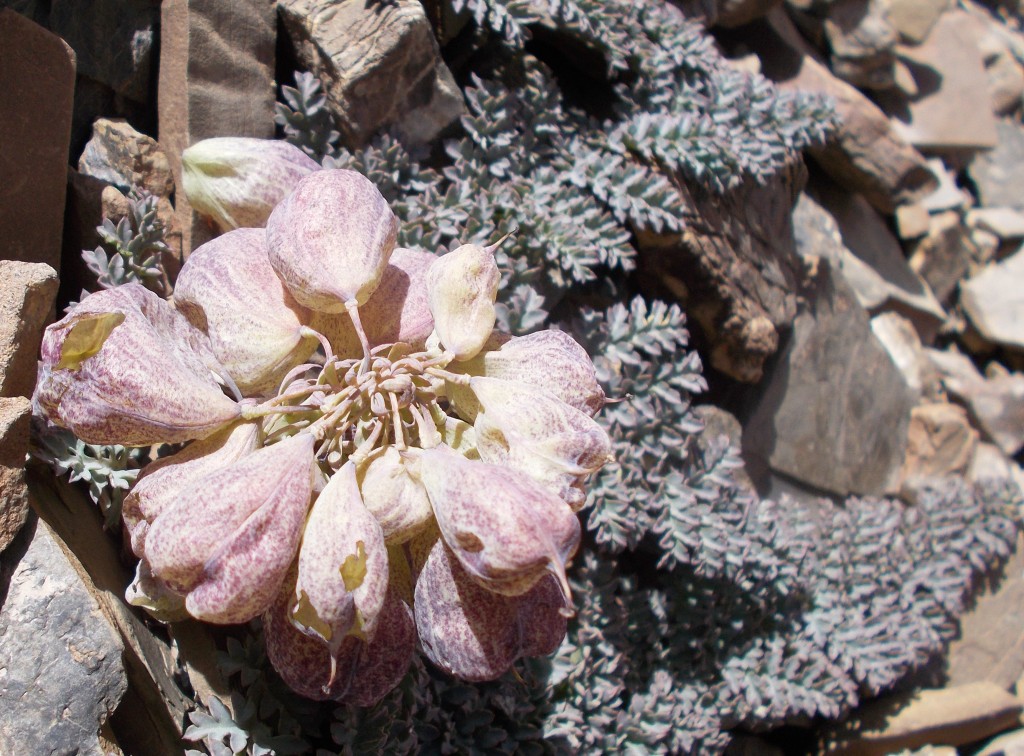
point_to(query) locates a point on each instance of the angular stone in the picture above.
(381, 66)
(1004, 222)
(834, 411)
(952, 109)
(866, 154)
(899, 338)
(720, 424)
(37, 80)
(1010, 744)
(216, 79)
(994, 301)
(990, 646)
(943, 257)
(734, 266)
(947, 716)
(862, 41)
(124, 157)
(914, 19)
(998, 174)
(947, 196)
(15, 413)
(27, 293)
(912, 221)
(1005, 83)
(874, 264)
(62, 672)
(940, 442)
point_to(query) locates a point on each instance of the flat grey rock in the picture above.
(999, 173)
(834, 410)
(61, 673)
(994, 301)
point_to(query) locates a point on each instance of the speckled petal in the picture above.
(238, 181)
(505, 528)
(148, 382)
(331, 239)
(530, 429)
(474, 634)
(161, 482)
(461, 289)
(397, 310)
(398, 501)
(228, 540)
(343, 566)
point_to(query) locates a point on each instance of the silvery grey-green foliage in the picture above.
(305, 118)
(133, 249)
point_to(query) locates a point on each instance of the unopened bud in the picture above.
(461, 289)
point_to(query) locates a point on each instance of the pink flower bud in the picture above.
(363, 673)
(461, 289)
(396, 312)
(228, 289)
(123, 367)
(237, 181)
(162, 482)
(528, 428)
(343, 567)
(331, 239)
(505, 528)
(477, 635)
(227, 542)
(397, 500)
(549, 360)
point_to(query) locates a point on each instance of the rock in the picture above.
(914, 19)
(381, 66)
(734, 266)
(1005, 83)
(1010, 744)
(879, 274)
(904, 346)
(124, 157)
(834, 410)
(866, 154)
(862, 42)
(1004, 222)
(27, 293)
(989, 462)
(944, 256)
(994, 301)
(719, 424)
(990, 647)
(948, 196)
(998, 174)
(941, 442)
(37, 80)
(62, 672)
(15, 413)
(948, 716)
(732, 13)
(996, 403)
(952, 108)
(216, 79)
(912, 221)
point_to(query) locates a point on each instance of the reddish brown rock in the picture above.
(119, 155)
(15, 413)
(940, 442)
(37, 80)
(866, 155)
(216, 79)
(27, 292)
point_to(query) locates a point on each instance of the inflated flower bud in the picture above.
(477, 635)
(363, 673)
(528, 428)
(549, 359)
(162, 481)
(123, 367)
(343, 567)
(228, 289)
(396, 312)
(461, 289)
(397, 500)
(331, 238)
(208, 544)
(505, 528)
(238, 181)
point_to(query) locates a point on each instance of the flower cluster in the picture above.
(370, 466)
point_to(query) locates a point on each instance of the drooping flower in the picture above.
(461, 289)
